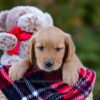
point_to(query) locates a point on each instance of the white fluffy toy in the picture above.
(19, 24)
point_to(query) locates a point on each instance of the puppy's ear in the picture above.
(70, 47)
(31, 51)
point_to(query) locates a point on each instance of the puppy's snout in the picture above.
(49, 63)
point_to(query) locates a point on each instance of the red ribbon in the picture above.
(21, 36)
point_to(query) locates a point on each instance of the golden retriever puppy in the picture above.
(50, 49)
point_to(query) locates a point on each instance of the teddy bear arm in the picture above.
(7, 41)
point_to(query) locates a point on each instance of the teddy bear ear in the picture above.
(7, 41)
(3, 16)
(49, 18)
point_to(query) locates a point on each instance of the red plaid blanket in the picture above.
(40, 85)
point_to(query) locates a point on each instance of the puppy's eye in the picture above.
(58, 49)
(41, 48)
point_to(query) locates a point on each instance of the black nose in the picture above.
(49, 63)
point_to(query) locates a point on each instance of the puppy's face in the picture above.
(49, 52)
(48, 48)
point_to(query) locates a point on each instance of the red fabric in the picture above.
(48, 85)
(21, 36)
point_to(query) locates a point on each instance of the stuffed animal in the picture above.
(18, 24)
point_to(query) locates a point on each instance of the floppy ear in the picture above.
(31, 51)
(7, 41)
(70, 47)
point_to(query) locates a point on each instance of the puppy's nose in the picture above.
(49, 63)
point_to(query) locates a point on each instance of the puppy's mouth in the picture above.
(50, 69)
(47, 69)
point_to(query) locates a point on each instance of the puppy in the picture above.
(50, 49)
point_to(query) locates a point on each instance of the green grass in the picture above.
(97, 85)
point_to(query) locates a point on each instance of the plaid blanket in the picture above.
(40, 85)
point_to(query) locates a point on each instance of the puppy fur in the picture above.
(50, 44)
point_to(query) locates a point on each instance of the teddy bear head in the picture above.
(28, 18)
(34, 22)
(19, 24)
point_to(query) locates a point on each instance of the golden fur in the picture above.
(50, 44)
(50, 40)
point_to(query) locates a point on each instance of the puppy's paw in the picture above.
(70, 76)
(16, 72)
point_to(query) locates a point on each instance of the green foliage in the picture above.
(81, 18)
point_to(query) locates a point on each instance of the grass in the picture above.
(97, 85)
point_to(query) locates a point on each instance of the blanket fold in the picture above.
(40, 85)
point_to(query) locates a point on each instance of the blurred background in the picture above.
(80, 18)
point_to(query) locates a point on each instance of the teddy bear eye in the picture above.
(41, 48)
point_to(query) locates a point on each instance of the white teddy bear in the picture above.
(19, 24)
